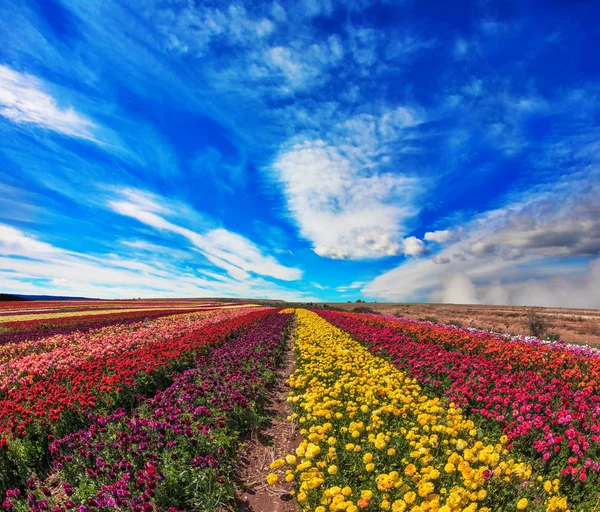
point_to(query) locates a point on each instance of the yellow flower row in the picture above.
(372, 440)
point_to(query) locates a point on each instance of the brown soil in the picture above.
(573, 325)
(276, 439)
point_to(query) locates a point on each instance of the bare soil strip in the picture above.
(276, 438)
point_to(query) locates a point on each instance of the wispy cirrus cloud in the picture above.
(30, 265)
(23, 100)
(230, 251)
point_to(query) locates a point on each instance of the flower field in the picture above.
(49, 387)
(147, 413)
(174, 452)
(403, 415)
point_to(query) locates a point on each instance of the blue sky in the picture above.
(399, 151)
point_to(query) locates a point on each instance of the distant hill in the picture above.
(10, 297)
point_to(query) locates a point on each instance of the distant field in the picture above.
(573, 325)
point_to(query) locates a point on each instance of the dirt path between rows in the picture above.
(276, 439)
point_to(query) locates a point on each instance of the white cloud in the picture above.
(194, 29)
(313, 8)
(283, 59)
(230, 251)
(515, 255)
(344, 195)
(28, 265)
(13, 242)
(353, 286)
(412, 246)
(23, 100)
(576, 289)
(438, 236)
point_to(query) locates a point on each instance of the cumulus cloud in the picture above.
(340, 193)
(23, 100)
(412, 246)
(438, 236)
(544, 229)
(230, 251)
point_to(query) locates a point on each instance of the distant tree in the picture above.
(537, 324)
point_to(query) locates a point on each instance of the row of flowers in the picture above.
(176, 452)
(5, 314)
(39, 305)
(548, 417)
(45, 321)
(34, 331)
(45, 315)
(31, 330)
(372, 440)
(102, 371)
(37, 358)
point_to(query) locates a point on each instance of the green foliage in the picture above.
(537, 324)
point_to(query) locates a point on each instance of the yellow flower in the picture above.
(410, 497)
(342, 392)
(278, 463)
(272, 479)
(410, 470)
(399, 506)
(426, 489)
(522, 504)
